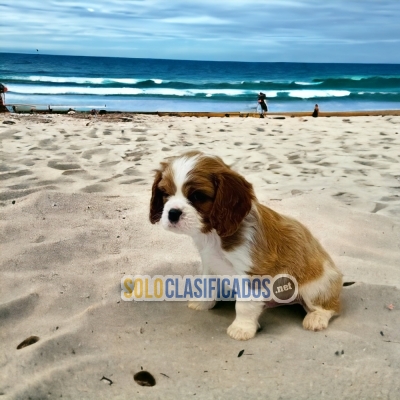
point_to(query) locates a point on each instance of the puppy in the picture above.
(200, 196)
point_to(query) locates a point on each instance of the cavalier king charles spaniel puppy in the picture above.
(200, 196)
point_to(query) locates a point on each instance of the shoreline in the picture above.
(239, 114)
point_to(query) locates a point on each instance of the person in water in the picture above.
(262, 104)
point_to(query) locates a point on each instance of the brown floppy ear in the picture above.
(231, 204)
(156, 202)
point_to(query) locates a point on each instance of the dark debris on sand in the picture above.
(111, 117)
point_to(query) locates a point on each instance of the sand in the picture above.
(74, 196)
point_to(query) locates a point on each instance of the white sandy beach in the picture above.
(74, 195)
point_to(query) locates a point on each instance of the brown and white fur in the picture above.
(200, 196)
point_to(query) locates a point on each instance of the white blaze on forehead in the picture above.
(181, 168)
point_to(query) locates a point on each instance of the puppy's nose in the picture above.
(174, 214)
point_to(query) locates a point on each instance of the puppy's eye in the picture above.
(198, 196)
(163, 194)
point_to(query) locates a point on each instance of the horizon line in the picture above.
(195, 60)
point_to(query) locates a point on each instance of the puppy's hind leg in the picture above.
(318, 319)
(321, 298)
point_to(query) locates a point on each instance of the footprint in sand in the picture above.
(10, 175)
(81, 173)
(390, 159)
(112, 178)
(92, 134)
(296, 192)
(96, 188)
(274, 166)
(18, 194)
(109, 163)
(19, 187)
(387, 140)
(62, 165)
(366, 163)
(293, 157)
(369, 156)
(9, 134)
(133, 155)
(5, 167)
(40, 239)
(18, 308)
(137, 180)
(345, 197)
(378, 207)
(47, 144)
(45, 183)
(394, 197)
(89, 153)
(138, 130)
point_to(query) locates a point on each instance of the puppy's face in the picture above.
(196, 193)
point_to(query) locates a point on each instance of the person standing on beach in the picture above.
(316, 111)
(262, 104)
(3, 89)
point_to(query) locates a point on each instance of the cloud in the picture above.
(243, 30)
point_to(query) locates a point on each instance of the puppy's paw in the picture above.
(242, 330)
(316, 321)
(201, 305)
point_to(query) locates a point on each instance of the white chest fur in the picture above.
(217, 261)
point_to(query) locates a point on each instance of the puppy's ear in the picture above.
(156, 202)
(232, 202)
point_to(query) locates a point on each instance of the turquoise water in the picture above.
(174, 85)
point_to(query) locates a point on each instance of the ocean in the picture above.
(137, 84)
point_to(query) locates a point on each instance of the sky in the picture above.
(353, 31)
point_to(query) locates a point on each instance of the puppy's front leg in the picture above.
(245, 325)
(206, 263)
(201, 305)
